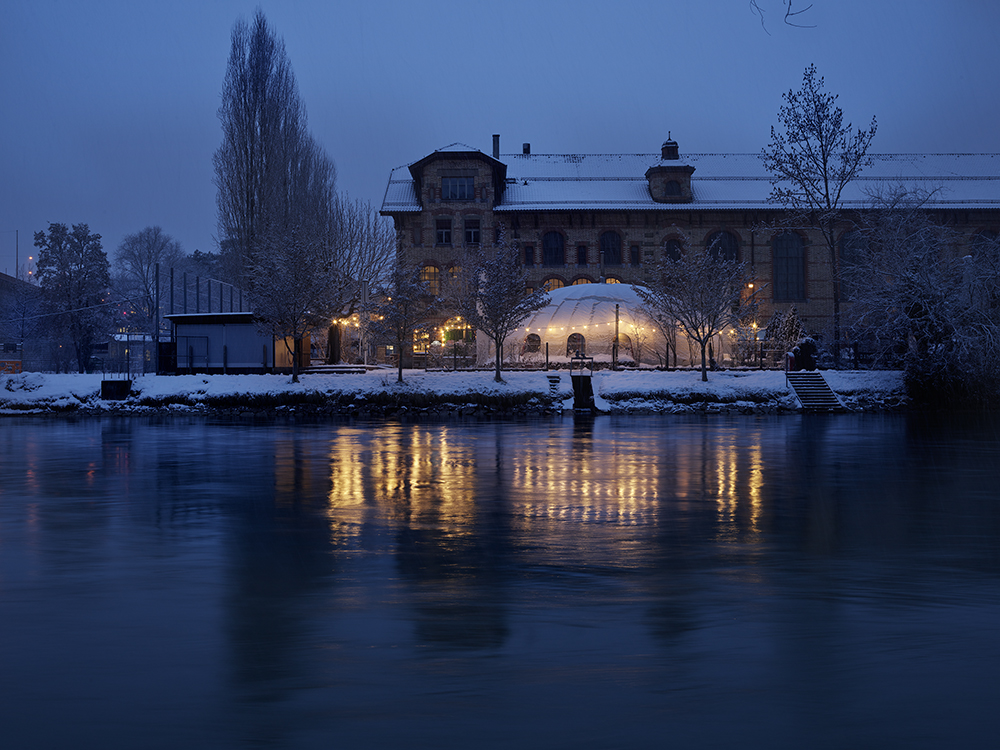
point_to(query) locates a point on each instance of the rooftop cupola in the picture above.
(669, 150)
(670, 179)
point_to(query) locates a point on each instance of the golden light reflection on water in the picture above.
(440, 476)
(405, 474)
(573, 477)
(727, 470)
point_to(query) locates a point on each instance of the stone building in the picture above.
(584, 218)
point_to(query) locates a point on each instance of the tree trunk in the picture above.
(498, 359)
(296, 346)
(704, 366)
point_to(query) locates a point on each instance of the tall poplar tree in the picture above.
(270, 173)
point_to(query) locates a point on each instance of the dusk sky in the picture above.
(109, 109)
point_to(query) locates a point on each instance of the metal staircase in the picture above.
(812, 391)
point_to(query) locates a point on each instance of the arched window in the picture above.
(611, 248)
(723, 246)
(532, 343)
(624, 344)
(789, 268)
(431, 276)
(672, 189)
(612, 280)
(672, 250)
(553, 249)
(582, 280)
(553, 283)
(853, 247)
(576, 343)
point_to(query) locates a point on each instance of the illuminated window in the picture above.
(553, 283)
(421, 341)
(457, 329)
(583, 280)
(431, 276)
(612, 280)
(576, 344)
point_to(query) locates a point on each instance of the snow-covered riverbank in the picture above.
(377, 393)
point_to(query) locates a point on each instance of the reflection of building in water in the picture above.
(571, 477)
(587, 472)
(401, 473)
(435, 501)
(465, 507)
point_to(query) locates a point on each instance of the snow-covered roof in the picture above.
(549, 182)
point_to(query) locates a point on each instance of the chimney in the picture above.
(526, 148)
(669, 150)
(496, 146)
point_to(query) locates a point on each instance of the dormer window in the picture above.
(458, 188)
(672, 189)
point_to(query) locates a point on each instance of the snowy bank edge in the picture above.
(621, 391)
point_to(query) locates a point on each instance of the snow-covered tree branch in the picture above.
(490, 293)
(813, 156)
(923, 299)
(704, 294)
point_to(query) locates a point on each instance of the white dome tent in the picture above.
(581, 318)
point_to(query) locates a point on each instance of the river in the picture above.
(822, 581)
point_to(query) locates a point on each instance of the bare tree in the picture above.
(703, 294)
(491, 296)
(405, 308)
(136, 260)
(73, 273)
(813, 157)
(365, 245)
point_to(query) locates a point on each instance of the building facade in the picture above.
(586, 218)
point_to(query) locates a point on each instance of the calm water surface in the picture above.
(821, 582)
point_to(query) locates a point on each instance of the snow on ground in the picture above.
(43, 391)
